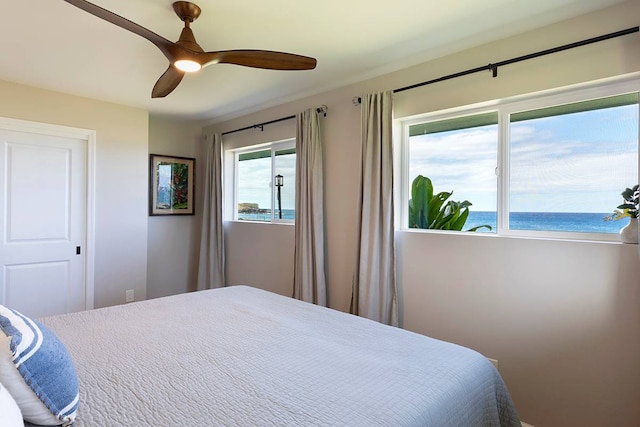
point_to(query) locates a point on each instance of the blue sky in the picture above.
(571, 163)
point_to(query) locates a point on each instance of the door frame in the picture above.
(89, 138)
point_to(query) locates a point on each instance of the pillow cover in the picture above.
(37, 370)
(10, 415)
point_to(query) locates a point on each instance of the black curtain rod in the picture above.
(320, 110)
(494, 67)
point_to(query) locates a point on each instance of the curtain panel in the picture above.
(211, 263)
(309, 261)
(374, 292)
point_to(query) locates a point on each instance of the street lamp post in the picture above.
(279, 184)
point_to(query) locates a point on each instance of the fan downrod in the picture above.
(186, 11)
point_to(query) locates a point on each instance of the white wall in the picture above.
(174, 241)
(562, 318)
(121, 180)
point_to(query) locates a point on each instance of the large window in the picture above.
(265, 183)
(550, 165)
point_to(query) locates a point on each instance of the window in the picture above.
(570, 162)
(551, 166)
(265, 183)
(458, 155)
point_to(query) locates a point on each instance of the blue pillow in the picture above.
(37, 370)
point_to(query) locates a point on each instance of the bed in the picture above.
(240, 356)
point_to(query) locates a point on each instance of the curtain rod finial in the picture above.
(356, 100)
(322, 110)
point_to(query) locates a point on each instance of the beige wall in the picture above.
(120, 180)
(174, 241)
(269, 264)
(562, 318)
(126, 255)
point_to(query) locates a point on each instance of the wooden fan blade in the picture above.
(167, 82)
(168, 48)
(258, 59)
(187, 49)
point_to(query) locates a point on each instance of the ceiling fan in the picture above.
(186, 55)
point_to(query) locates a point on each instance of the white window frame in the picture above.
(505, 108)
(274, 147)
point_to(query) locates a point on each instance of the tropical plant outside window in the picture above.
(535, 166)
(435, 211)
(457, 155)
(256, 193)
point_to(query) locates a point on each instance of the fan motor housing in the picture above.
(186, 11)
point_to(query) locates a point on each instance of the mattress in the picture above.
(240, 356)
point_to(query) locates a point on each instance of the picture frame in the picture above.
(171, 185)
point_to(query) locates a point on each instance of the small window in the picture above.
(265, 183)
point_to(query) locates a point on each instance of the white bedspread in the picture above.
(240, 356)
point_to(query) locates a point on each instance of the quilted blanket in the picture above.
(240, 356)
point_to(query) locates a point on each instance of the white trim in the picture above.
(504, 107)
(401, 176)
(234, 195)
(91, 219)
(89, 136)
(525, 424)
(235, 153)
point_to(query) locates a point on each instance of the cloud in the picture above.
(549, 173)
(462, 161)
(571, 163)
(255, 180)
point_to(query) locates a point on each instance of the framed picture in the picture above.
(172, 185)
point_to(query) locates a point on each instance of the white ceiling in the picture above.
(54, 45)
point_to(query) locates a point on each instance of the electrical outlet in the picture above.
(128, 295)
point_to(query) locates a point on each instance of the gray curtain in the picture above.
(211, 265)
(309, 269)
(374, 284)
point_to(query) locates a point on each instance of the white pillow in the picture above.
(37, 370)
(10, 415)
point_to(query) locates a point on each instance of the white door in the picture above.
(43, 222)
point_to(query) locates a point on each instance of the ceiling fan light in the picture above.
(187, 65)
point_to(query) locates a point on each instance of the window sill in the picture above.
(512, 236)
(244, 221)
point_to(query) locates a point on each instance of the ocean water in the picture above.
(539, 221)
(289, 214)
(549, 221)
